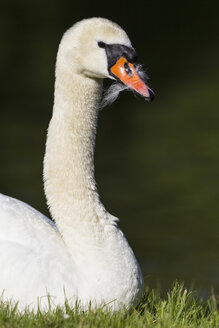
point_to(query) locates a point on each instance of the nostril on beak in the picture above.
(151, 95)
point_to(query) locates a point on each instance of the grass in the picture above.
(180, 308)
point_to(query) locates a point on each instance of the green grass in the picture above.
(180, 308)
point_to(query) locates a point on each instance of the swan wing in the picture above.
(34, 261)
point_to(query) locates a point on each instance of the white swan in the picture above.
(85, 256)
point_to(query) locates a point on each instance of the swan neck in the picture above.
(70, 185)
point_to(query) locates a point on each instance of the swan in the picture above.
(83, 257)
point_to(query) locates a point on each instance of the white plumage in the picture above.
(84, 257)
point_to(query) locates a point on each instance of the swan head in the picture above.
(99, 48)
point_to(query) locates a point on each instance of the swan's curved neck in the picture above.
(68, 165)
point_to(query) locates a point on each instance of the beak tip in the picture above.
(151, 94)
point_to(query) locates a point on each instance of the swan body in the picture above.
(35, 263)
(84, 256)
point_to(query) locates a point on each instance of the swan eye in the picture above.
(128, 69)
(101, 44)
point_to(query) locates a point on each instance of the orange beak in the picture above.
(126, 73)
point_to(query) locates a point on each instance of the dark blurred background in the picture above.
(157, 164)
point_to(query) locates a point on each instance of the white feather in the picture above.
(112, 93)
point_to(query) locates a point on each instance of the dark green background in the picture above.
(157, 164)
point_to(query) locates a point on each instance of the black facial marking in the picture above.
(101, 44)
(115, 51)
